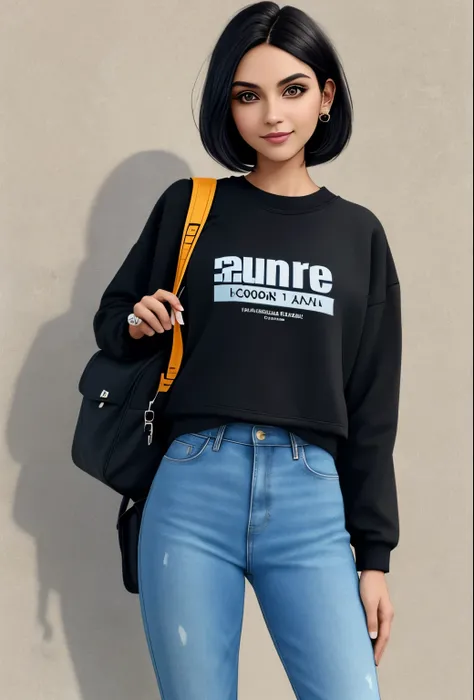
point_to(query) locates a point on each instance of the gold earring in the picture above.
(326, 116)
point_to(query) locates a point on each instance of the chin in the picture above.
(280, 157)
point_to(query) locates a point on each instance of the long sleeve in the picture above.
(132, 281)
(365, 461)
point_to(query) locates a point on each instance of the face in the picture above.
(272, 92)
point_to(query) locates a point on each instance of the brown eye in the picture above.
(300, 88)
(240, 97)
(243, 97)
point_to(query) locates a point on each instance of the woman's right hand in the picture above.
(154, 315)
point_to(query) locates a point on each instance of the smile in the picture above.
(278, 139)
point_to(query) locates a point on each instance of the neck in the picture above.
(288, 179)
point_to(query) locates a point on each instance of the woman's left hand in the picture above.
(378, 609)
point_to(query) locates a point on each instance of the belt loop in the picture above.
(294, 446)
(219, 437)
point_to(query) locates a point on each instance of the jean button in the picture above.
(260, 435)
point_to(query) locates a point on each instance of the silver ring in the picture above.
(134, 320)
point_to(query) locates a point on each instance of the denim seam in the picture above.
(189, 459)
(298, 697)
(249, 529)
(329, 477)
(250, 444)
(258, 529)
(142, 603)
(182, 442)
(268, 492)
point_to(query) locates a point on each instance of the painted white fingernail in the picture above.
(373, 635)
(173, 318)
(179, 318)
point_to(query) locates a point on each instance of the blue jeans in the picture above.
(256, 502)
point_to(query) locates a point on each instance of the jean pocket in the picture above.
(319, 462)
(187, 447)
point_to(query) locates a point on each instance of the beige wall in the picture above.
(94, 123)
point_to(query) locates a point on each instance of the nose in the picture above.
(271, 114)
(272, 120)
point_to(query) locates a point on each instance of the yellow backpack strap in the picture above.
(199, 207)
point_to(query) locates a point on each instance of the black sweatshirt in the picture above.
(292, 318)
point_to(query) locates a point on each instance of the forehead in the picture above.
(266, 65)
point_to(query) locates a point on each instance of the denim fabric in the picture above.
(256, 502)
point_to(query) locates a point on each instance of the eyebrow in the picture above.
(241, 83)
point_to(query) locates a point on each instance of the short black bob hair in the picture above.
(292, 30)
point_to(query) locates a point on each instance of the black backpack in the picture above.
(120, 437)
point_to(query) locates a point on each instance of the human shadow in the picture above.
(70, 515)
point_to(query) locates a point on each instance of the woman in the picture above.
(284, 413)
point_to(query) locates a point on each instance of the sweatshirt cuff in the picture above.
(131, 349)
(373, 556)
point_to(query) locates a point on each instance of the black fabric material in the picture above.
(128, 527)
(110, 442)
(319, 353)
(120, 380)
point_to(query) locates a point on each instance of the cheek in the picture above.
(245, 121)
(306, 117)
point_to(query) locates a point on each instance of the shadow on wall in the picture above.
(69, 514)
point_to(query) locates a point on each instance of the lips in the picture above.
(275, 134)
(278, 137)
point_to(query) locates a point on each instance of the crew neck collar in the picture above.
(283, 203)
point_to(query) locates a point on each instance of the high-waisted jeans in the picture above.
(256, 502)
